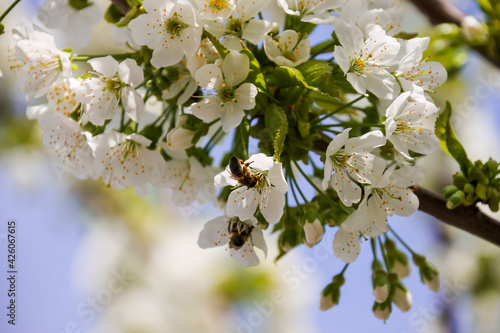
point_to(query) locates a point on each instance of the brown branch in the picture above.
(469, 219)
(442, 11)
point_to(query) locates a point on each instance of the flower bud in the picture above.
(434, 282)
(179, 138)
(313, 232)
(494, 200)
(473, 30)
(382, 310)
(459, 180)
(401, 269)
(326, 302)
(492, 166)
(402, 297)
(380, 293)
(482, 191)
(448, 191)
(455, 200)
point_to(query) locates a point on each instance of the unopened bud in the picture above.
(313, 232)
(459, 180)
(402, 297)
(448, 191)
(382, 310)
(494, 200)
(179, 138)
(473, 30)
(492, 166)
(434, 283)
(401, 269)
(482, 191)
(455, 200)
(326, 302)
(380, 293)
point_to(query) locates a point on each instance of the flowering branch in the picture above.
(469, 219)
(441, 11)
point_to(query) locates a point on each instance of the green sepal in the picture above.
(113, 14)
(223, 51)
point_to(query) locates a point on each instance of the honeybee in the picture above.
(239, 235)
(239, 170)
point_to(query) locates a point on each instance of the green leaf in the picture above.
(319, 74)
(255, 75)
(277, 124)
(449, 140)
(241, 136)
(285, 76)
(223, 51)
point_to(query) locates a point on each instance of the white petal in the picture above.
(235, 67)
(106, 65)
(224, 179)
(207, 110)
(346, 245)
(130, 73)
(258, 240)
(260, 161)
(245, 96)
(277, 178)
(214, 233)
(273, 205)
(245, 256)
(209, 76)
(349, 35)
(242, 202)
(231, 117)
(349, 192)
(357, 83)
(133, 103)
(255, 30)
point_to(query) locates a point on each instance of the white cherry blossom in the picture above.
(288, 49)
(122, 161)
(101, 94)
(230, 230)
(358, 12)
(351, 158)
(70, 142)
(227, 98)
(170, 27)
(412, 72)
(60, 99)
(267, 195)
(241, 25)
(183, 87)
(409, 127)
(187, 178)
(313, 11)
(39, 64)
(366, 61)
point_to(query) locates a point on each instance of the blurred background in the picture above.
(93, 259)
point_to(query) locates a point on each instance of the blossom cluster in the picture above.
(217, 68)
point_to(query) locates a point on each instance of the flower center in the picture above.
(227, 93)
(358, 66)
(174, 25)
(235, 26)
(219, 4)
(129, 147)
